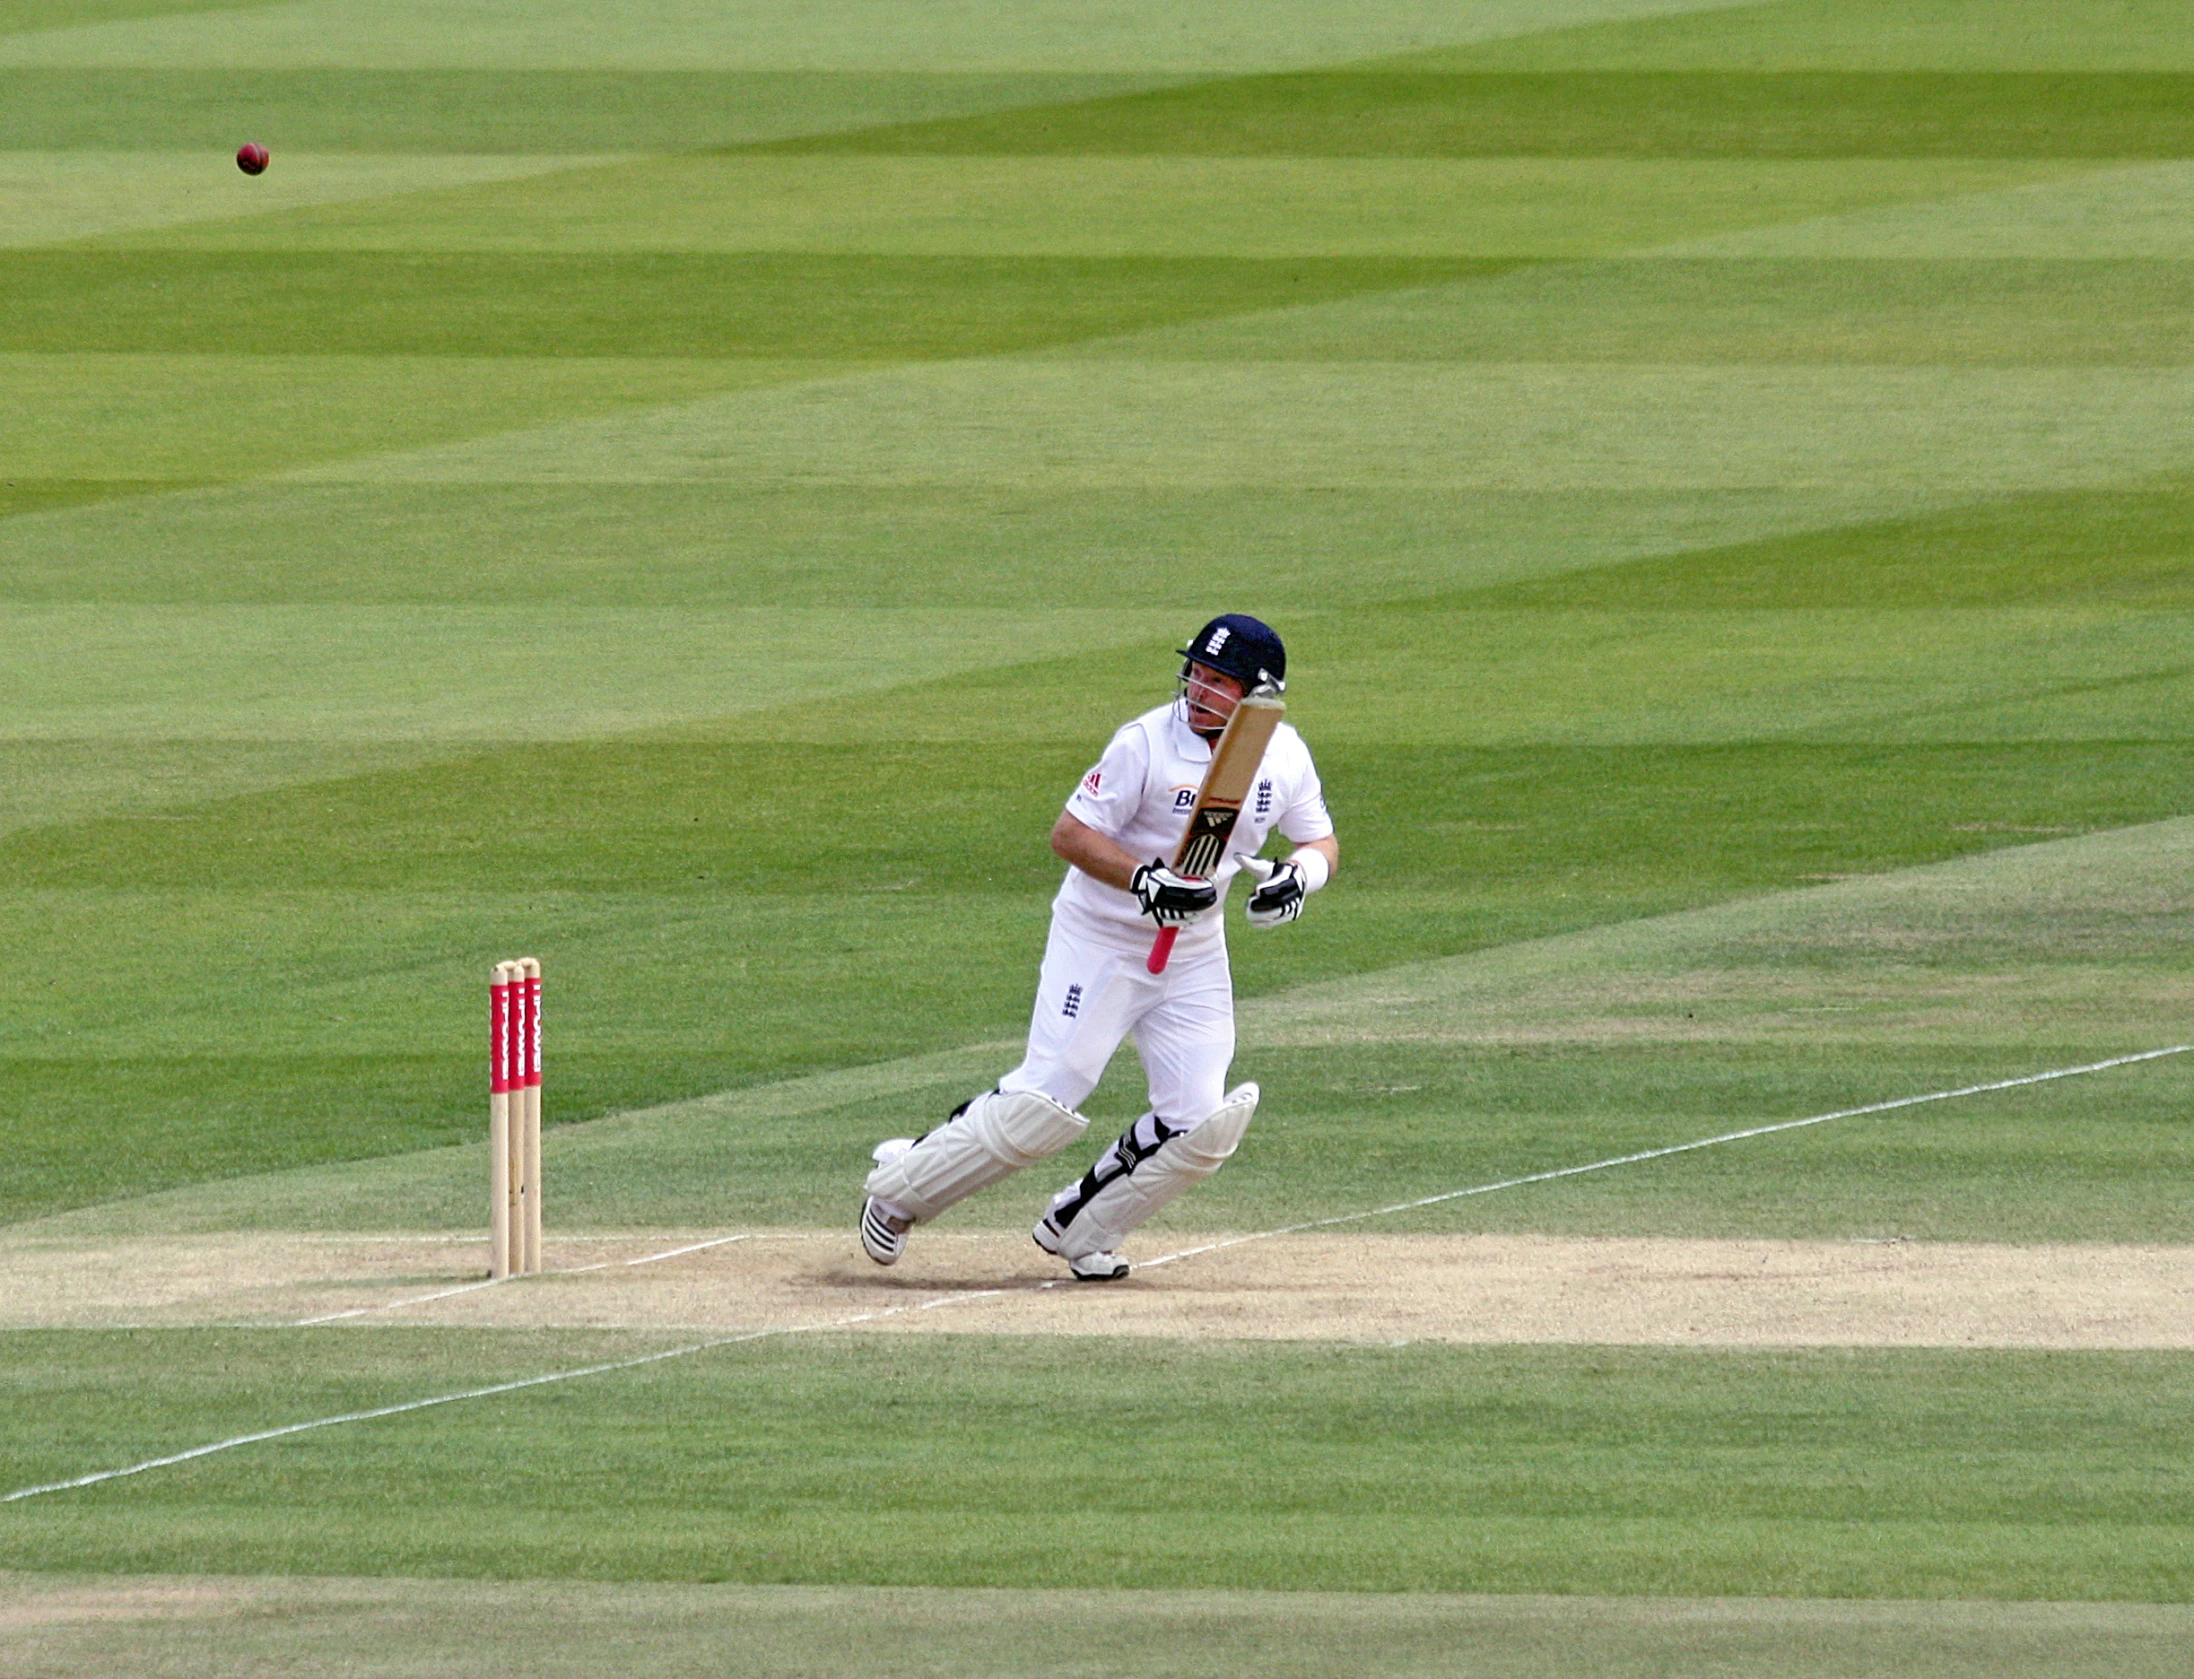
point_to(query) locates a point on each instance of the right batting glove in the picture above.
(1169, 898)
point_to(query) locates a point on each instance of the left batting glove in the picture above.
(1280, 897)
(1286, 885)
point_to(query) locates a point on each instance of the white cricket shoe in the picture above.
(1098, 1268)
(883, 1233)
(1089, 1267)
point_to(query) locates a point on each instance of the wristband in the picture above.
(1316, 870)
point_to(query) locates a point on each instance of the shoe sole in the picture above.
(890, 1254)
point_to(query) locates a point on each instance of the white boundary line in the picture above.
(98, 1476)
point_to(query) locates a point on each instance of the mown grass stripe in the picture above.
(1652, 113)
(649, 303)
(489, 110)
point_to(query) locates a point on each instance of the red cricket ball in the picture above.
(251, 159)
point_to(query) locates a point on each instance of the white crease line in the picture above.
(649, 1258)
(395, 1305)
(693, 1247)
(493, 1282)
(99, 1475)
(443, 1239)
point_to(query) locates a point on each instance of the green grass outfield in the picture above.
(685, 490)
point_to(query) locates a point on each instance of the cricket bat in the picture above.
(1234, 764)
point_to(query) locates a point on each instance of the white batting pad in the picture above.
(1129, 1201)
(1000, 1132)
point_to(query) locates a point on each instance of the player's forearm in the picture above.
(1096, 855)
(1330, 849)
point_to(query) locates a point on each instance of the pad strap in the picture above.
(991, 1138)
(1098, 1222)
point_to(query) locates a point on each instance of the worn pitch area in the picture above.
(1483, 1289)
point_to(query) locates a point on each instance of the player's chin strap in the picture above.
(1188, 713)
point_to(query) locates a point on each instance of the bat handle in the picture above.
(1161, 948)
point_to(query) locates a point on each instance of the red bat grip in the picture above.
(1161, 948)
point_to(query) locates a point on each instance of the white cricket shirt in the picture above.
(1140, 792)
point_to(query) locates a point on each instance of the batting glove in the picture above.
(1280, 898)
(1169, 898)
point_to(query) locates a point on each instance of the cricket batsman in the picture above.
(1107, 971)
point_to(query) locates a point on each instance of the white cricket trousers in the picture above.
(1097, 988)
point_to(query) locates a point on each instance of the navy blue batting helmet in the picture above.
(1245, 648)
